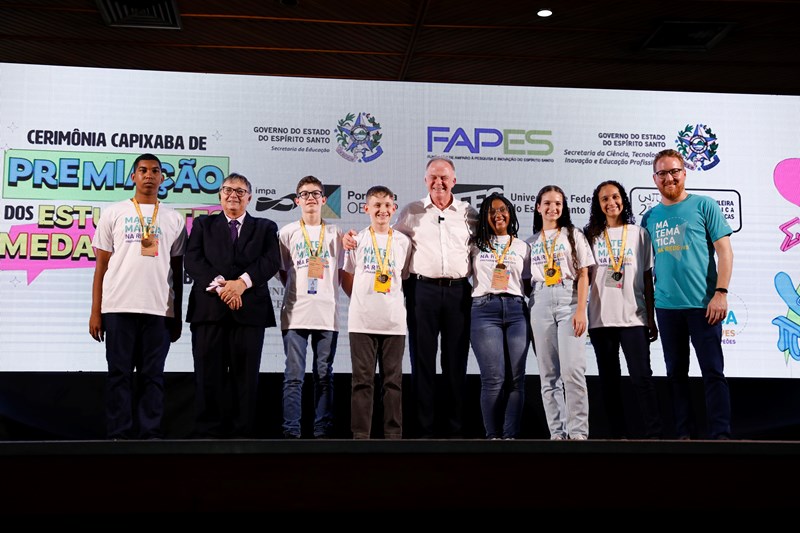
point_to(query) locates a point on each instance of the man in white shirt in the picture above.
(438, 297)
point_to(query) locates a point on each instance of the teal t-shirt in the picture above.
(683, 238)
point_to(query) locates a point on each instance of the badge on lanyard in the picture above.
(316, 264)
(500, 273)
(614, 279)
(552, 271)
(316, 267)
(615, 274)
(552, 276)
(383, 276)
(150, 246)
(149, 241)
(500, 277)
(383, 283)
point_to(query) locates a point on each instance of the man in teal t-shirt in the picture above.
(691, 290)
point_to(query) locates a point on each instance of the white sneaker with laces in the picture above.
(579, 437)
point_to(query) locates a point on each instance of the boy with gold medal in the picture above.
(373, 278)
(136, 301)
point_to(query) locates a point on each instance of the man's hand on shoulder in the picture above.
(349, 240)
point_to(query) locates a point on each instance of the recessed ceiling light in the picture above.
(544, 13)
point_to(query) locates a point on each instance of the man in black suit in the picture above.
(230, 256)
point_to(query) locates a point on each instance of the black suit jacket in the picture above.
(210, 253)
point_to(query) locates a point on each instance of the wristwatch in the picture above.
(720, 289)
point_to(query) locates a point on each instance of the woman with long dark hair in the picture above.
(621, 306)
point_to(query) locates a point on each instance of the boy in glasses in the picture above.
(311, 260)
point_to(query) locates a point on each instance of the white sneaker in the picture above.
(557, 436)
(579, 437)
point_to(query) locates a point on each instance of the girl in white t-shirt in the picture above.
(560, 257)
(621, 306)
(501, 267)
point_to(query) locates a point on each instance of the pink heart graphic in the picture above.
(787, 179)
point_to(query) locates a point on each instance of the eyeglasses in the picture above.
(230, 190)
(313, 194)
(501, 210)
(672, 172)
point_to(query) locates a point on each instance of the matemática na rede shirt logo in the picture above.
(359, 137)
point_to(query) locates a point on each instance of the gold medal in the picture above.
(552, 272)
(498, 257)
(383, 273)
(148, 242)
(383, 283)
(616, 263)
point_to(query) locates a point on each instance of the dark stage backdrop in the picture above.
(69, 406)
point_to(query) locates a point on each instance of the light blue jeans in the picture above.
(500, 339)
(295, 345)
(561, 357)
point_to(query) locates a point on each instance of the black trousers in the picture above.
(227, 358)
(438, 312)
(636, 347)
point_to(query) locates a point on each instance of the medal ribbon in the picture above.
(616, 262)
(502, 258)
(146, 228)
(318, 252)
(551, 255)
(383, 262)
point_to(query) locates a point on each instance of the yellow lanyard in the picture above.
(501, 258)
(146, 228)
(383, 262)
(551, 255)
(616, 263)
(318, 252)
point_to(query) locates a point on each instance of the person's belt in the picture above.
(443, 282)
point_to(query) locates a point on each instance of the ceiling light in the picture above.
(544, 13)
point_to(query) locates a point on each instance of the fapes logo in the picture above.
(332, 208)
(475, 194)
(699, 146)
(359, 137)
(477, 141)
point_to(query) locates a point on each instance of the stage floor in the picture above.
(274, 477)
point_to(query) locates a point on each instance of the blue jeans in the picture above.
(323, 346)
(500, 337)
(678, 327)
